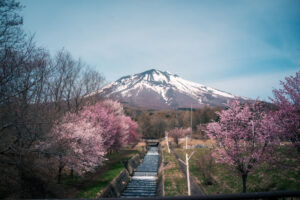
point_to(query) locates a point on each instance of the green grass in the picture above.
(115, 167)
(174, 181)
(116, 156)
(92, 190)
(88, 185)
(263, 179)
(224, 180)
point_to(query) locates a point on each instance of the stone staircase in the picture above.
(143, 182)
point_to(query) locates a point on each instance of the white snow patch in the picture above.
(160, 78)
(160, 83)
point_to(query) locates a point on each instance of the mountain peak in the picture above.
(153, 76)
(155, 71)
(150, 71)
(158, 89)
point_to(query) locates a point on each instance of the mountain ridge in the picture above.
(156, 89)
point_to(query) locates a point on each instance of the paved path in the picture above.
(195, 189)
(143, 182)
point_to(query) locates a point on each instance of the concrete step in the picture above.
(138, 194)
(142, 181)
(144, 190)
(143, 173)
(141, 185)
(139, 188)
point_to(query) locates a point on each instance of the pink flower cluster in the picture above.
(287, 101)
(81, 140)
(244, 135)
(179, 132)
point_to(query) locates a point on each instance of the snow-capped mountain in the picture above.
(155, 89)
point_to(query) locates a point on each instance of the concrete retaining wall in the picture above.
(132, 164)
(118, 184)
(160, 181)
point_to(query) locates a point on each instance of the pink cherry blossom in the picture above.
(244, 137)
(177, 133)
(287, 116)
(80, 141)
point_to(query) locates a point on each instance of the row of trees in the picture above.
(248, 134)
(153, 124)
(48, 120)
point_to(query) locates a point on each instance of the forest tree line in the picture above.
(154, 123)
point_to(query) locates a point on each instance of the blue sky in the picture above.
(243, 47)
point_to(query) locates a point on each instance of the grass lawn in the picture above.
(227, 181)
(90, 184)
(103, 180)
(174, 181)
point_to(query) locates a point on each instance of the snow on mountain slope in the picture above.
(162, 90)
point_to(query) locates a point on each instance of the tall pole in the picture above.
(186, 146)
(176, 121)
(186, 163)
(188, 174)
(191, 121)
(167, 141)
(187, 157)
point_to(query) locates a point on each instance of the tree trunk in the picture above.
(244, 177)
(297, 147)
(22, 180)
(176, 141)
(72, 173)
(59, 174)
(60, 168)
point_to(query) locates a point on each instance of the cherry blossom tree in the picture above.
(117, 129)
(244, 137)
(113, 107)
(132, 130)
(287, 116)
(101, 117)
(79, 141)
(125, 128)
(76, 144)
(177, 133)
